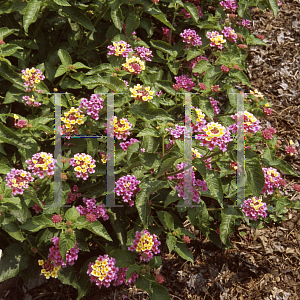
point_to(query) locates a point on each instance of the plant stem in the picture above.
(171, 30)
(130, 80)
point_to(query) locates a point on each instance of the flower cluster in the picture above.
(214, 104)
(48, 268)
(145, 244)
(216, 39)
(56, 219)
(290, 149)
(83, 164)
(144, 53)
(268, 133)
(233, 165)
(229, 5)
(92, 106)
(224, 69)
(200, 121)
(267, 111)
(184, 82)
(134, 65)
(191, 38)
(245, 23)
(121, 277)
(230, 34)
(187, 15)
(18, 180)
(177, 132)
(72, 196)
(71, 119)
(202, 86)
(256, 93)
(194, 187)
(30, 101)
(54, 254)
(254, 207)
(272, 178)
(215, 88)
(41, 164)
(31, 77)
(296, 187)
(125, 145)
(251, 124)
(142, 93)
(20, 123)
(127, 187)
(121, 128)
(215, 135)
(119, 49)
(103, 271)
(92, 211)
(104, 157)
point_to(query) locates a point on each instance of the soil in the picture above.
(264, 264)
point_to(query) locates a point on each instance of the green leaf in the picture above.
(64, 57)
(171, 241)
(214, 184)
(192, 53)
(72, 214)
(147, 25)
(97, 228)
(98, 69)
(68, 276)
(155, 262)
(150, 160)
(62, 69)
(172, 197)
(67, 241)
(133, 148)
(166, 219)
(255, 41)
(148, 111)
(78, 17)
(31, 194)
(131, 269)
(80, 65)
(273, 5)
(168, 161)
(14, 260)
(69, 83)
(31, 13)
(62, 2)
(184, 252)
(211, 75)
(159, 292)
(148, 132)
(162, 46)
(116, 14)
(37, 223)
(9, 49)
(167, 86)
(12, 228)
(143, 282)
(132, 23)
(158, 14)
(4, 31)
(201, 66)
(192, 10)
(254, 175)
(174, 67)
(9, 137)
(240, 76)
(4, 169)
(7, 72)
(124, 258)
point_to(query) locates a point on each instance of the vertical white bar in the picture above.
(110, 165)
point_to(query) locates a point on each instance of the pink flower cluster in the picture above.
(121, 127)
(296, 187)
(72, 196)
(125, 145)
(31, 77)
(177, 131)
(251, 124)
(121, 277)
(92, 106)
(230, 34)
(224, 69)
(267, 111)
(166, 32)
(187, 14)
(290, 150)
(41, 164)
(83, 164)
(229, 5)
(195, 183)
(215, 88)
(272, 178)
(216, 39)
(127, 187)
(92, 211)
(30, 101)
(37, 208)
(144, 53)
(145, 244)
(56, 219)
(184, 82)
(214, 104)
(254, 207)
(245, 23)
(202, 86)
(268, 133)
(20, 123)
(119, 49)
(191, 38)
(54, 254)
(18, 180)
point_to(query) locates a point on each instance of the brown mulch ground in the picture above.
(264, 264)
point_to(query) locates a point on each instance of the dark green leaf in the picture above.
(184, 252)
(132, 23)
(192, 10)
(77, 16)
(167, 86)
(124, 258)
(62, 2)
(67, 241)
(162, 46)
(166, 219)
(64, 57)
(31, 13)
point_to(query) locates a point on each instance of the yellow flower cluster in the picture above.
(256, 204)
(250, 117)
(214, 130)
(47, 158)
(84, 162)
(200, 114)
(100, 269)
(257, 94)
(122, 126)
(50, 272)
(272, 172)
(71, 118)
(217, 39)
(139, 92)
(120, 47)
(145, 243)
(196, 153)
(134, 60)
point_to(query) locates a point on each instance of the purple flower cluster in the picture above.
(191, 38)
(230, 34)
(54, 254)
(31, 77)
(125, 145)
(229, 5)
(268, 133)
(97, 210)
(127, 187)
(272, 178)
(184, 82)
(254, 207)
(251, 124)
(214, 104)
(177, 131)
(30, 101)
(121, 277)
(187, 15)
(245, 23)
(72, 196)
(18, 180)
(195, 183)
(144, 53)
(119, 49)
(92, 106)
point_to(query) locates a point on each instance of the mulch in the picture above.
(264, 264)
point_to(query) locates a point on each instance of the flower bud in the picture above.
(55, 89)
(143, 271)
(64, 176)
(117, 69)
(64, 160)
(147, 267)
(69, 231)
(89, 124)
(88, 131)
(1, 197)
(69, 223)
(115, 74)
(278, 142)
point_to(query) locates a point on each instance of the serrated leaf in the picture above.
(168, 161)
(274, 6)
(159, 292)
(9, 49)
(7, 72)
(67, 241)
(12, 228)
(68, 276)
(62, 69)
(150, 160)
(241, 76)
(31, 13)
(254, 176)
(80, 65)
(201, 66)
(72, 214)
(9, 137)
(131, 269)
(117, 16)
(37, 223)
(4, 32)
(192, 53)
(162, 46)
(97, 228)
(148, 132)
(172, 197)
(167, 86)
